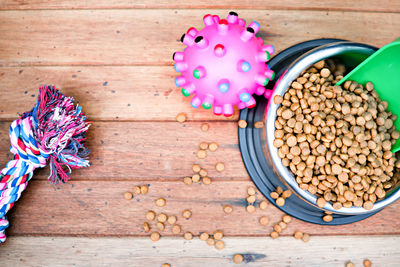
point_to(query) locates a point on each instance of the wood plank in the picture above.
(150, 36)
(357, 5)
(106, 93)
(151, 151)
(98, 209)
(285, 251)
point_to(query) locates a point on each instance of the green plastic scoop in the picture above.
(382, 69)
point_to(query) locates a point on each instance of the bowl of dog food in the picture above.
(330, 145)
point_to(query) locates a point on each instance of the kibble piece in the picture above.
(188, 235)
(155, 236)
(211, 241)
(166, 265)
(196, 178)
(286, 218)
(321, 202)
(237, 258)
(263, 205)
(327, 218)
(204, 127)
(186, 214)
(286, 193)
(213, 147)
(203, 172)
(278, 99)
(160, 226)
(277, 228)
(202, 154)
(264, 220)
(251, 191)
(150, 215)
(128, 195)
(220, 167)
(368, 205)
(298, 235)
(251, 199)
(203, 145)
(161, 202)
(176, 229)
(305, 238)
(274, 195)
(172, 219)
(218, 235)
(219, 244)
(204, 236)
(188, 180)
(282, 225)
(162, 217)
(325, 72)
(228, 209)
(280, 201)
(206, 180)
(259, 124)
(136, 190)
(144, 189)
(196, 168)
(181, 117)
(350, 264)
(250, 209)
(146, 227)
(274, 234)
(242, 123)
(367, 263)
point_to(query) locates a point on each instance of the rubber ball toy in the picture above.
(224, 64)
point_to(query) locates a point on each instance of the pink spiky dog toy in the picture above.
(223, 64)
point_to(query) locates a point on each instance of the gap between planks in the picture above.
(284, 251)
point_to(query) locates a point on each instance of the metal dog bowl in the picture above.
(260, 156)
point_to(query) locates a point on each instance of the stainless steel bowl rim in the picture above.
(281, 87)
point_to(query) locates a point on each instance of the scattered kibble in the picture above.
(259, 124)
(242, 124)
(274, 195)
(220, 167)
(204, 236)
(150, 215)
(327, 218)
(277, 228)
(144, 189)
(263, 205)
(166, 265)
(206, 180)
(274, 234)
(278, 99)
(202, 154)
(264, 220)
(176, 229)
(203, 172)
(228, 209)
(298, 235)
(286, 194)
(305, 238)
(219, 244)
(218, 235)
(203, 145)
(155, 236)
(204, 127)
(251, 199)
(188, 235)
(172, 219)
(161, 202)
(282, 225)
(146, 227)
(160, 226)
(237, 258)
(350, 264)
(186, 214)
(251, 191)
(286, 218)
(196, 168)
(181, 117)
(136, 190)
(128, 195)
(211, 241)
(162, 217)
(196, 178)
(367, 263)
(280, 201)
(321, 202)
(213, 147)
(188, 180)
(250, 209)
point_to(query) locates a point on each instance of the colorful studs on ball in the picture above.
(196, 74)
(185, 92)
(206, 105)
(199, 72)
(223, 87)
(219, 50)
(246, 67)
(245, 97)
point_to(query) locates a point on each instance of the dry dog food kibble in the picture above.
(280, 201)
(166, 265)
(263, 220)
(220, 166)
(196, 178)
(144, 189)
(251, 199)
(136, 190)
(298, 235)
(228, 209)
(202, 154)
(204, 236)
(155, 236)
(146, 227)
(251, 191)
(161, 202)
(274, 234)
(188, 180)
(286, 219)
(172, 219)
(327, 218)
(162, 217)
(263, 205)
(218, 235)
(367, 263)
(196, 168)
(188, 235)
(206, 180)
(250, 209)
(160, 226)
(203, 145)
(150, 215)
(336, 140)
(181, 117)
(176, 229)
(211, 241)
(219, 244)
(259, 124)
(128, 195)
(204, 127)
(305, 238)
(242, 123)
(350, 264)
(237, 258)
(186, 214)
(203, 172)
(213, 147)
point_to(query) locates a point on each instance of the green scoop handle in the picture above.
(382, 69)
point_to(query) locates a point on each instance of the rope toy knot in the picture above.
(54, 130)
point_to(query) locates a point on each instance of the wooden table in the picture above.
(115, 58)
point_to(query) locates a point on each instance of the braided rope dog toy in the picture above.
(53, 130)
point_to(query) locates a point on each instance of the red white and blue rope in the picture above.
(54, 130)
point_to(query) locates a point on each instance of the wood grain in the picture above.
(357, 5)
(150, 36)
(120, 93)
(98, 209)
(151, 151)
(284, 251)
